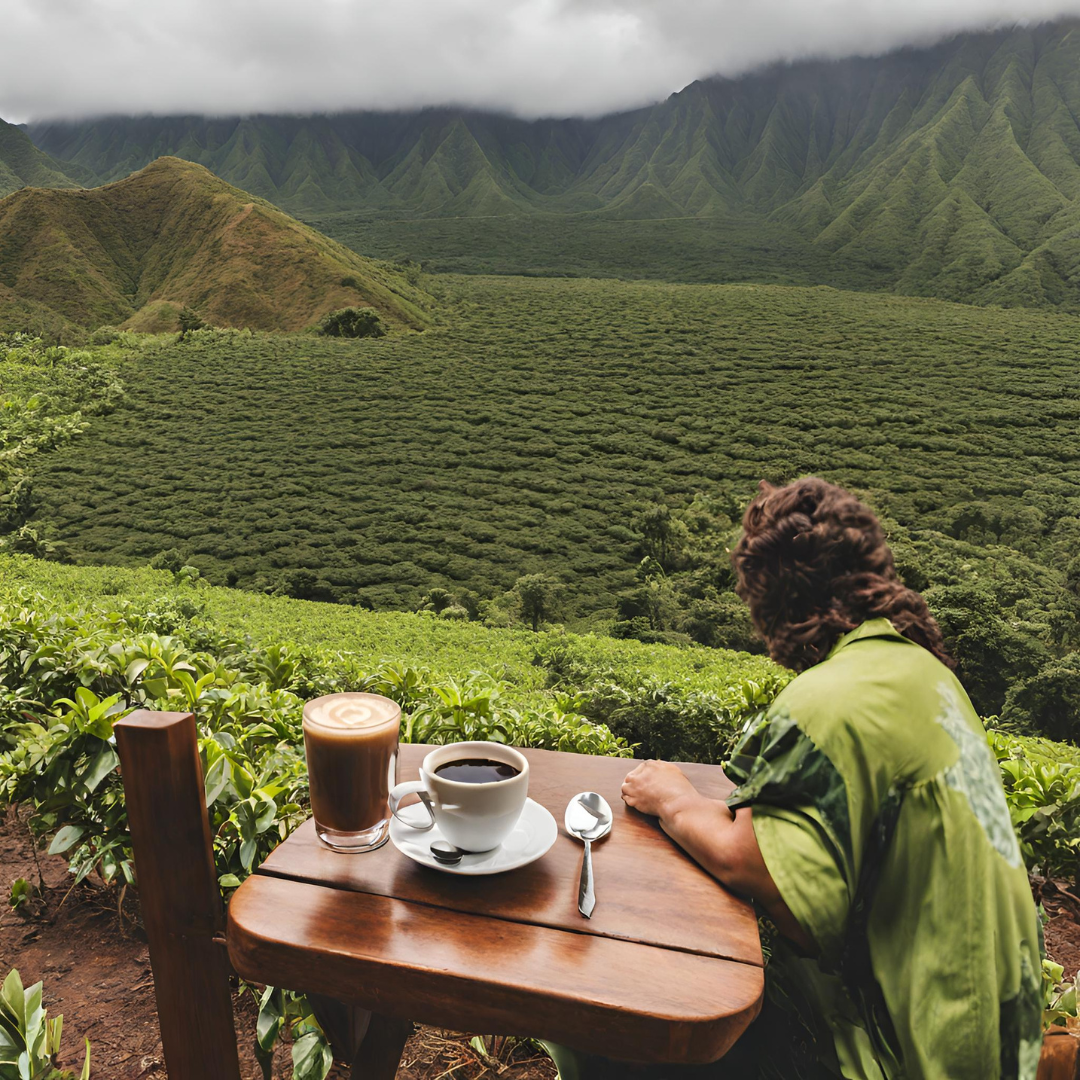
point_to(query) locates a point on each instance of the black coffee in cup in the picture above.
(476, 771)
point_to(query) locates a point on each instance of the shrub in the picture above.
(105, 335)
(190, 321)
(171, 559)
(29, 1041)
(1044, 803)
(664, 720)
(79, 671)
(352, 322)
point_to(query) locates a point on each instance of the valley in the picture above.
(532, 429)
(464, 409)
(950, 171)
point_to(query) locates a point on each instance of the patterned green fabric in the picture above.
(879, 812)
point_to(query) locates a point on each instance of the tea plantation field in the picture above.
(446, 650)
(527, 432)
(685, 249)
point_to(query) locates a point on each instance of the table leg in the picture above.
(373, 1043)
(380, 1052)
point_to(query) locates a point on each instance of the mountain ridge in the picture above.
(22, 164)
(949, 171)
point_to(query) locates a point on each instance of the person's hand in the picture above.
(655, 787)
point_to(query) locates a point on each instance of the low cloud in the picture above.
(70, 58)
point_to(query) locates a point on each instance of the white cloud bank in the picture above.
(68, 58)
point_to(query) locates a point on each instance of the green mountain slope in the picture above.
(22, 164)
(134, 252)
(950, 171)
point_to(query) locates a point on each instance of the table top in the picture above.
(668, 969)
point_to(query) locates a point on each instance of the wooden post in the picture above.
(178, 893)
(1060, 1056)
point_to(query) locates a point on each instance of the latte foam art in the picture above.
(351, 712)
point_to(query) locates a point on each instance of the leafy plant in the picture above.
(22, 892)
(1044, 803)
(79, 672)
(281, 1010)
(1059, 997)
(29, 1041)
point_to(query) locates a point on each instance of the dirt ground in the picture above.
(1062, 906)
(96, 970)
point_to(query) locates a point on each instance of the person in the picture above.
(869, 825)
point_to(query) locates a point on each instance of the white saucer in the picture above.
(531, 839)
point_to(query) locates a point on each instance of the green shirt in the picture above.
(880, 814)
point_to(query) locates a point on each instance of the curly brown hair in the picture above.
(812, 564)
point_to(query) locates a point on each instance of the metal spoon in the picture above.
(588, 817)
(445, 853)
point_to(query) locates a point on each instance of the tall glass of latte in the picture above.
(351, 741)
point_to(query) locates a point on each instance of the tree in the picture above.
(722, 621)
(1048, 703)
(304, 584)
(352, 322)
(663, 535)
(991, 652)
(537, 598)
(190, 321)
(652, 601)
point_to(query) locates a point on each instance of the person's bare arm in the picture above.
(721, 841)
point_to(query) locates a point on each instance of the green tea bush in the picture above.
(488, 449)
(69, 675)
(1044, 801)
(677, 718)
(68, 671)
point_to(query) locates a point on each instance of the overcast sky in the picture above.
(531, 57)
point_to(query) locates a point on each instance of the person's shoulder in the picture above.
(884, 693)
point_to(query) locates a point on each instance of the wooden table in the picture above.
(668, 969)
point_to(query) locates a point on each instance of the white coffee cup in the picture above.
(473, 817)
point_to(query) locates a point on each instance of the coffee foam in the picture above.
(351, 712)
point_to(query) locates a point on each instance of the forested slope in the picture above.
(22, 164)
